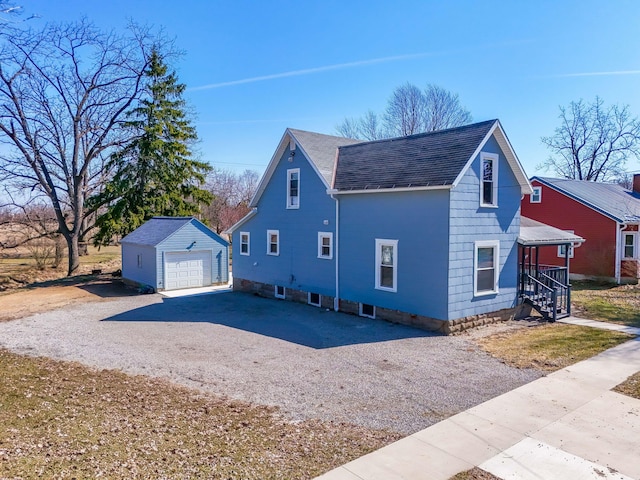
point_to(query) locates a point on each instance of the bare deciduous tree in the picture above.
(63, 94)
(593, 142)
(406, 111)
(233, 193)
(443, 109)
(409, 111)
(368, 127)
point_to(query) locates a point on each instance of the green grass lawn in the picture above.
(607, 302)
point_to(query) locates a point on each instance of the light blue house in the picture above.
(169, 253)
(420, 230)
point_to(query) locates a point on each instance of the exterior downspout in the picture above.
(336, 252)
(619, 227)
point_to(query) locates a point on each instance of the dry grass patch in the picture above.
(630, 387)
(61, 419)
(475, 474)
(606, 302)
(551, 346)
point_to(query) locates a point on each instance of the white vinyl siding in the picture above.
(245, 246)
(488, 179)
(325, 245)
(293, 188)
(387, 265)
(273, 242)
(486, 264)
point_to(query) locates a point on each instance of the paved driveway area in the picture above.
(309, 362)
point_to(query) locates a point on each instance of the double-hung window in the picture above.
(536, 195)
(629, 245)
(325, 245)
(293, 188)
(273, 242)
(387, 265)
(244, 243)
(488, 180)
(486, 267)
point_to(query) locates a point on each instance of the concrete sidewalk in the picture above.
(567, 425)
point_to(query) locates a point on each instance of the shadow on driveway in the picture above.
(292, 322)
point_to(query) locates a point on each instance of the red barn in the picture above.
(606, 215)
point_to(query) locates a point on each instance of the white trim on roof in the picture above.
(510, 154)
(579, 200)
(389, 190)
(288, 138)
(242, 221)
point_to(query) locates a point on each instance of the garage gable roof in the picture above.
(157, 229)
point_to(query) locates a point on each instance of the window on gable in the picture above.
(536, 195)
(273, 242)
(629, 245)
(293, 188)
(489, 180)
(325, 245)
(244, 243)
(486, 264)
(386, 265)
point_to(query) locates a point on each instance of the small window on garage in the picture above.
(315, 299)
(367, 310)
(280, 291)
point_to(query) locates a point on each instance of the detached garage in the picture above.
(168, 253)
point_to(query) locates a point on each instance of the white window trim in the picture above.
(495, 244)
(328, 235)
(269, 233)
(289, 173)
(635, 245)
(561, 253)
(533, 195)
(365, 315)
(495, 159)
(248, 252)
(379, 243)
(319, 304)
(275, 292)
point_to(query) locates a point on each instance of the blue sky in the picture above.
(254, 68)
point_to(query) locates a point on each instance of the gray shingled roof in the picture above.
(608, 198)
(321, 149)
(155, 230)
(533, 232)
(427, 159)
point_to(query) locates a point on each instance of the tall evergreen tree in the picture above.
(155, 173)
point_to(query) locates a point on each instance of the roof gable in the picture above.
(428, 160)
(320, 150)
(157, 229)
(609, 199)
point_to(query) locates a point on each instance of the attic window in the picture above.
(293, 188)
(488, 180)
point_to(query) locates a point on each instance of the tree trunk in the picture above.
(74, 254)
(59, 254)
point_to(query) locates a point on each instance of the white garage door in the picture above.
(187, 269)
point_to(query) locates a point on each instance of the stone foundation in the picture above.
(451, 327)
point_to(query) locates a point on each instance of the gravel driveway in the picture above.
(309, 362)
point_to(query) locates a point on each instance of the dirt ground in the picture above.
(53, 295)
